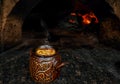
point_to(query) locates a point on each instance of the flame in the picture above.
(87, 18)
(45, 52)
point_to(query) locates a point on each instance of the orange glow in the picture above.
(87, 18)
(73, 14)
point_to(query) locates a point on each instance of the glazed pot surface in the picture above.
(44, 69)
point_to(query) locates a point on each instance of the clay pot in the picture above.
(45, 64)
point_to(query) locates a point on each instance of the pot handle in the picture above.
(62, 64)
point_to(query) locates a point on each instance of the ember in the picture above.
(86, 18)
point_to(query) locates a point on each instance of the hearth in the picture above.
(85, 33)
(84, 23)
(74, 22)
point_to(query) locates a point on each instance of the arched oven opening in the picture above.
(74, 22)
(77, 23)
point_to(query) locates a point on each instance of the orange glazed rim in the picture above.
(45, 50)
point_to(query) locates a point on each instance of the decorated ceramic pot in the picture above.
(45, 64)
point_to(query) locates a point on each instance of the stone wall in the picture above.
(115, 4)
(11, 34)
(10, 29)
(11, 23)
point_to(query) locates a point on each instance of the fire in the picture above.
(87, 18)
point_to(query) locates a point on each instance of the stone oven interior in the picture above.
(57, 15)
(86, 33)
